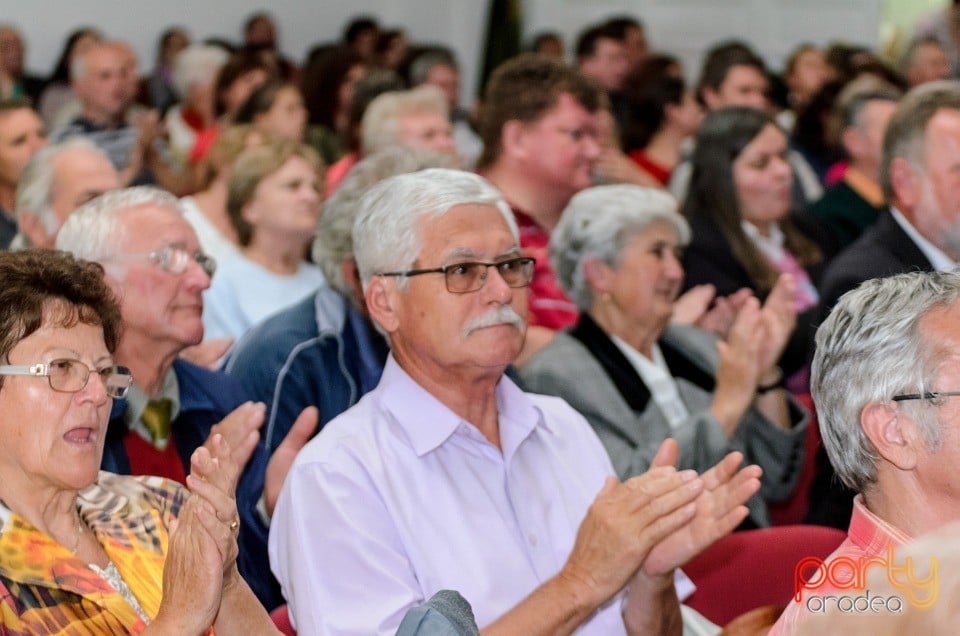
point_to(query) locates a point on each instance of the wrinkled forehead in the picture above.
(466, 232)
(150, 226)
(939, 330)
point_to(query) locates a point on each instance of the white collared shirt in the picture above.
(938, 259)
(771, 246)
(657, 377)
(399, 498)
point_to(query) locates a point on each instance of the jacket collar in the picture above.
(623, 375)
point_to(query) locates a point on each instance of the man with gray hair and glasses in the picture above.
(153, 262)
(447, 475)
(886, 381)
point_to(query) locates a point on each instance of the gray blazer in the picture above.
(568, 369)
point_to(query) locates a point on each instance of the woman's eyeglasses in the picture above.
(67, 375)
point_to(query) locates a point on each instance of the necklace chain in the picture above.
(76, 546)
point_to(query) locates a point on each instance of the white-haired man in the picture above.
(885, 379)
(448, 476)
(417, 118)
(56, 181)
(153, 261)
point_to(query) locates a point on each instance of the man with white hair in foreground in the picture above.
(448, 476)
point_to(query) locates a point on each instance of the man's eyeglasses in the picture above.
(67, 375)
(929, 395)
(462, 278)
(175, 259)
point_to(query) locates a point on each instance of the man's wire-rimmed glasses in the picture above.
(929, 395)
(175, 259)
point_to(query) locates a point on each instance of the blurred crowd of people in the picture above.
(331, 312)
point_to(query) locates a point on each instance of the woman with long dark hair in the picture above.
(739, 210)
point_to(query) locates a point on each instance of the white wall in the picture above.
(687, 28)
(682, 27)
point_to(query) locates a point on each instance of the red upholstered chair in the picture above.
(753, 568)
(281, 618)
(794, 509)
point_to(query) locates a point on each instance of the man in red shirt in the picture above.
(540, 132)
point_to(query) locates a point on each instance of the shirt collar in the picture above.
(91, 502)
(772, 242)
(870, 532)
(137, 400)
(428, 423)
(653, 368)
(940, 261)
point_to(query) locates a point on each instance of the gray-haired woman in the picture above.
(638, 379)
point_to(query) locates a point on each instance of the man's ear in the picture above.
(512, 138)
(852, 141)
(33, 228)
(381, 296)
(892, 432)
(905, 182)
(710, 98)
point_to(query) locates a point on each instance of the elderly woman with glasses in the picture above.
(638, 379)
(84, 551)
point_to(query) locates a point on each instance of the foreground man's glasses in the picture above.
(462, 278)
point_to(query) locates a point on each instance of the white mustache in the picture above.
(502, 315)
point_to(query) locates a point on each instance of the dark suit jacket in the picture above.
(883, 250)
(709, 259)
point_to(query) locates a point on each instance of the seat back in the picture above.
(753, 568)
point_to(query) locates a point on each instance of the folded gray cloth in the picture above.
(445, 614)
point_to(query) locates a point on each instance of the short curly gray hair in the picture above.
(597, 224)
(385, 236)
(381, 119)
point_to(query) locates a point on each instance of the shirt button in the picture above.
(533, 539)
